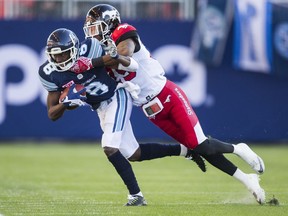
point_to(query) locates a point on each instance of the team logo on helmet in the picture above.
(109, 14)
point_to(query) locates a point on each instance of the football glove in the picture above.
(111, 48)
(191, 155)
(74, 98)
(81, 65)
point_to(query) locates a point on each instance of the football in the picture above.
(77, 88)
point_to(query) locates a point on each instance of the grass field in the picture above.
(61, 179)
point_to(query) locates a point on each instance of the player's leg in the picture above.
(251, 181)
(148, 151)
(178, 118)
(181, 123)
(113, 118)
(250, 157)
(213, 146)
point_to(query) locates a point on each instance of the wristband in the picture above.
(133, 66)
(115, 57)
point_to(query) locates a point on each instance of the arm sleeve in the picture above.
(45, 78)
(133, 66)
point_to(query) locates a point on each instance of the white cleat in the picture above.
(256, 163)
(255, 188)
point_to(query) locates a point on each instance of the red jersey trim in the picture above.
(121, 30)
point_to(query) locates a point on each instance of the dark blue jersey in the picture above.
(99, 85)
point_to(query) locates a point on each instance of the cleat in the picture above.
(254, 187)
(256, 163)
(191, 155)
(135, 200)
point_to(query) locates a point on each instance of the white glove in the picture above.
(74, 97)
(72, 102)
(111, 48)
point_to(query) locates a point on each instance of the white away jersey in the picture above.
(150, 74)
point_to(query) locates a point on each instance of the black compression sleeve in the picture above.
(213, 146)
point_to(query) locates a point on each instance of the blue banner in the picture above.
(280, 39)
(231, 106)
(252, 35)
(213, 22)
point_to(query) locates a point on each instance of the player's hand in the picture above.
(111, 48)
(198, 159)
(81, 65)
(74, 98)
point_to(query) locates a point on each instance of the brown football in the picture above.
(64, 93)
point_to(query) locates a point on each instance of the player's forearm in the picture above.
(106, 60)
(121, 62)
(56, 112)
(124, 60)
(127, 63)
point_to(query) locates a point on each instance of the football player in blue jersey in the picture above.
(66, 60)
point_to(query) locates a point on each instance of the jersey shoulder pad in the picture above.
(121, 30)
(91, 48)
(46, 69)
(45, 72)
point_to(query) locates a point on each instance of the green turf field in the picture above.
(61, 179)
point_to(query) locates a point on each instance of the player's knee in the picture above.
(206, 148)
(136, 156)
(109, 151)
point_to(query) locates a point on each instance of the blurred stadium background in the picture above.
(229, 56)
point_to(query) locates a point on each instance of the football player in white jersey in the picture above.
(112, 103)
(175, 117)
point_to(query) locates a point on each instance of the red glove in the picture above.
(81, 65)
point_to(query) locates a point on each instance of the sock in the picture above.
(221, 162)
(236, 150)
(183, 151)
(241, 176)
(155, 150)
(138, 194)
(124, 169)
